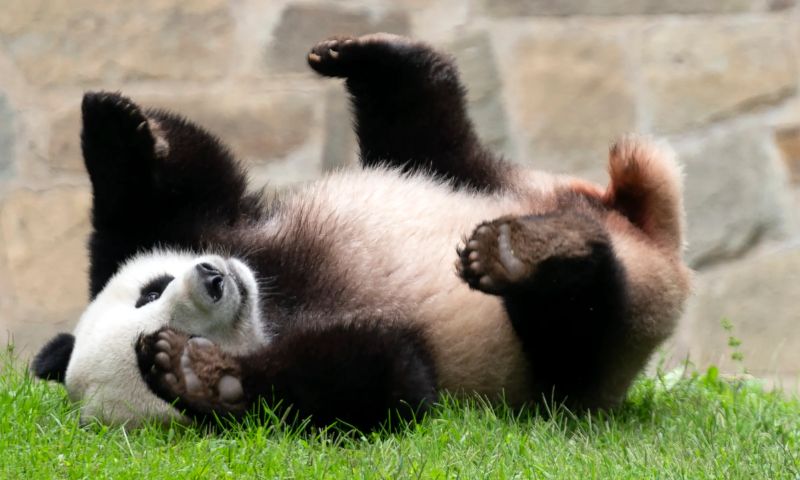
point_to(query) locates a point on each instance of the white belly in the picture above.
(397, 236)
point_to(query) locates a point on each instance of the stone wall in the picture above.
(551, 84)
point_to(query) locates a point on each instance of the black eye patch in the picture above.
(153, 289)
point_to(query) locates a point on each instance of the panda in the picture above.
(435, 266)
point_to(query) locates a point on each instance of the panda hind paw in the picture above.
(324, 57)
(488, 262)
(344, 56)
(191, 371)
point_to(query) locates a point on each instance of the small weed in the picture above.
(734, 343)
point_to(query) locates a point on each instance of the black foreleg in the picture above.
(363, 375)
(156, 179)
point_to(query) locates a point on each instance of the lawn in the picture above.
(691, 426)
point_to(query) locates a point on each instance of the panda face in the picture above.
(209, 295)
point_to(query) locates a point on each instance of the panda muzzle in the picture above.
(212, 279)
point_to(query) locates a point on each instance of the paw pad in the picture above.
(324, 57)
(346, 56)
(487, 262)
(194, 371)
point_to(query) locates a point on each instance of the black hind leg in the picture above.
(410, 108)
(565, 293)
(156, 179)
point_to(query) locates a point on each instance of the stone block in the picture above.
(6, 138)
(780, 5)
(301, 25)
(259, 127)
(736, 193)
(339, 146)
(64, 152)
(6, 303)
(513, 8)
(698, 71)
(44, 248)
(788, 140)
(88, 41)
(570, 95)
(758, 296)
(436, 20)
(478, 67)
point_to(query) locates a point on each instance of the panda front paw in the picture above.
(117, 141)
(346, 56)
(191, 372)
(113, 124)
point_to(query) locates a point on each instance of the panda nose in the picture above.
(212, 279)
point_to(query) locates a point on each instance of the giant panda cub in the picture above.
(435, 266)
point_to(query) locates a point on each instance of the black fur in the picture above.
(146, 194)
(52, 360)
(410, 108)
(342, 363)
(355, 372)
(565, 294)
(580, 306)
(192, 195)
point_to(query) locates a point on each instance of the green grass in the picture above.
(699, 426)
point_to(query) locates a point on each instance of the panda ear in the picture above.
(52, 360)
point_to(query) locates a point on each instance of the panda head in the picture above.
(206, 295)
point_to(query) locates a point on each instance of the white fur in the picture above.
(393, 235)
(397, 235)
(103, 375)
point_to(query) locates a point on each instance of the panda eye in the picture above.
(153, 289)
